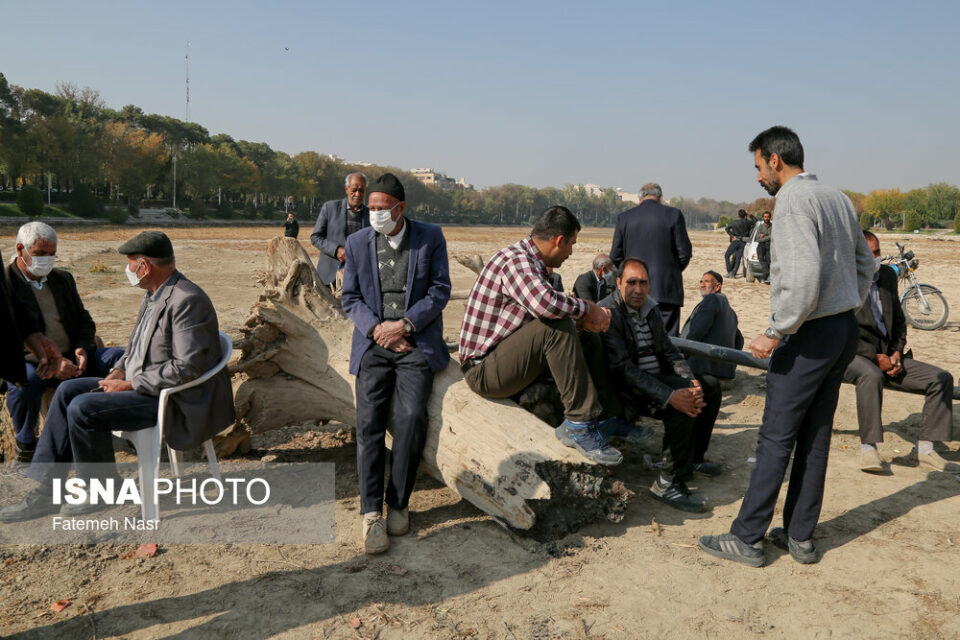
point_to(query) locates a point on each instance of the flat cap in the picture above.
(388, 184)
(152, 244)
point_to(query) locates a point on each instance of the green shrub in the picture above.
(8, 211)
(133, 210)
(117, 215)
(303, 211)
(866, 221)
(198, 210)
(723, 221)
(225, 210)
(267, 210)
(30, 201)
(956, 223)
(83, 203)
(911, 221)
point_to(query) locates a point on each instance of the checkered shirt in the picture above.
(512, 290)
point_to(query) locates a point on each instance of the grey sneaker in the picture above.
(588, 441)
(375, 538)
(803, 552)
(730, 547)
(675, 494)
(36, 504)
(398, 521)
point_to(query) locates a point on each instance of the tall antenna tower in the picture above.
(187, 57)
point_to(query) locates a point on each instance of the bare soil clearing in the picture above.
(891, 541)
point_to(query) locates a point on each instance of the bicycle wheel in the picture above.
(928, 313)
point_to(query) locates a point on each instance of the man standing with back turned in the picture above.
(657, 234)
(819, 276)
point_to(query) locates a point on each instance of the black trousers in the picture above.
(401, 382)
(803, 384)
(703, 423)
(763, 256)
(678, 429)
(935, 383)
(79, 424)
(671, 317)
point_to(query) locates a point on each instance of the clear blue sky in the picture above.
(539, 93)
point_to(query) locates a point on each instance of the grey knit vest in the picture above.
(392, 265)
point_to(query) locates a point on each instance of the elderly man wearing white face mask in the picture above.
(50, 296)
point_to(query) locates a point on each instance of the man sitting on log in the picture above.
(175, 340)
(396, 282)
(516, 325)
(51, 297)
(881, 362)
(653, 378)
(594, 284)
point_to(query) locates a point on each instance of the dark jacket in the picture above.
(739, 229)
(329, 233)
(183, 344)
(428, 290)
(15, 325)
(871, 341)
(657, 234)
(75, 318)
(585, 287)
(713, 321)
(291, 228)
(620, 347)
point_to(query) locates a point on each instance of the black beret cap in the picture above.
(388, 184)
(152, 244)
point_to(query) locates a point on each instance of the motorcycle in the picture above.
(924, 307)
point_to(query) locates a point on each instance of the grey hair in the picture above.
(651, 189)
(601, 261)
(33, 231)
(346, 181)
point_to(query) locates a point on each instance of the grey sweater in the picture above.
(820, 262)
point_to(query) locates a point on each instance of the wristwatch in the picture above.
(773, 334)
(407, 327)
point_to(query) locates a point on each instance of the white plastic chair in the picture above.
(148, 441)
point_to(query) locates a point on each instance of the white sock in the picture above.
(924, 447)
(868, 445)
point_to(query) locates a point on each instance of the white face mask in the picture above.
(381, 220)
(132, 275)
(40, 266)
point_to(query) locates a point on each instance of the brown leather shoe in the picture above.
(375, 538)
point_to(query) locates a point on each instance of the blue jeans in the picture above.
(24, 402)
(733, 255)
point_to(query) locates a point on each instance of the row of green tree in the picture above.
(89, 153)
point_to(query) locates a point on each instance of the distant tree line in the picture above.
(90, 154)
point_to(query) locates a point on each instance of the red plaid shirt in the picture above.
(511, 291)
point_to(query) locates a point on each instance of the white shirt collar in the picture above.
(394, 240)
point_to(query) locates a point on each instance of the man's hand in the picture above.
(66, 370)
(596, 319)
(116, 374)
(390, 334)
(341, 255)
(896, 364)
(687, 402)
(883, 361)
(47, 354)
(81, 354)
(109, 385)
(762, 346)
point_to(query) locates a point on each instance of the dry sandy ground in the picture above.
(891, 542)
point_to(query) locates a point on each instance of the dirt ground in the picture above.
(891, 542)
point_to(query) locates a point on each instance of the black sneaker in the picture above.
(588, 441)
(36, 504)
(707, 468)
(802, 552)
(617, 428)
(676, 495)
(730, 547)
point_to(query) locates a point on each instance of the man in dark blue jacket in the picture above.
(396, 283)
(657, 234)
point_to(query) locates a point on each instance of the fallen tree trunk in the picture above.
(294, 369)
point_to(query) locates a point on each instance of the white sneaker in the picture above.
(375, 538)
(398, 521)
(870, 460)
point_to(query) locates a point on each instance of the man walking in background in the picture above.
(337, 220)
(657, 234)
(820, 272)
(763, 245)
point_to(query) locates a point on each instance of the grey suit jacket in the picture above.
(329, 233)
(183, 345)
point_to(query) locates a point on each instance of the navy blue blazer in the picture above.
(428, 290)
(657, 234)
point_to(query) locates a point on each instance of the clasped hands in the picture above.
(392, 335)
(891, 365)
(689, 400)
